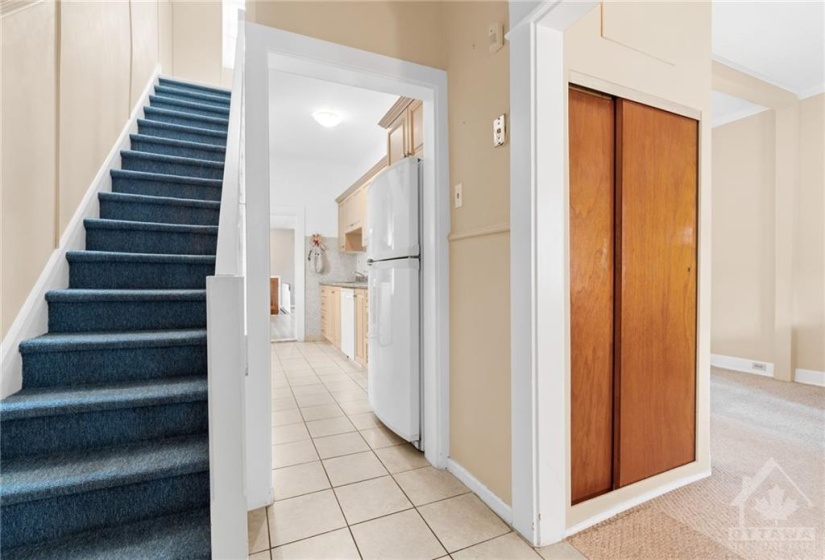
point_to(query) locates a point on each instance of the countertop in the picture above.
(350, 285)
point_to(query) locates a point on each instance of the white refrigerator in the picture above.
(393, 258)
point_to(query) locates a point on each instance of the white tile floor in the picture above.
(346, 487)
(282, 327)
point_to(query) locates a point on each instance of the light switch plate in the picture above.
(499, 131)
(458, 195)
(495, 37)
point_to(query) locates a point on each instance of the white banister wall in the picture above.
(226, 342)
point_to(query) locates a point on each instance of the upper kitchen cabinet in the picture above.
(352, 212)
(405, 129)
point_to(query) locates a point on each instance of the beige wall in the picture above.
(743, 238)
(282, 255)
(809, 246)
(197, 41)
(64, 119)
(452, 36)
(745, 251)
(27, 163)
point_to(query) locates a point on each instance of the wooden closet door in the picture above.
(591, 119)
(655, 346)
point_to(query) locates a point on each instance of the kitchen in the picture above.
(364, 272)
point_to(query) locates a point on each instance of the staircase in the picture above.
(105, 450)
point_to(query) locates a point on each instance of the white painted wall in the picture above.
(312, 185)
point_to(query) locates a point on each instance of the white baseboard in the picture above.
(487, 496)
(741, 364)
(810, 377)
(635, 501)
(33, 318)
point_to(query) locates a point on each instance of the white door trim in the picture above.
(539, 275)
(294, 218)
(275, 49)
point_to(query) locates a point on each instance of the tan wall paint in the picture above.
(106, 51)
(479, 91)
(94, 92)
(809, 247)
(409, 30)
(452, 36)
(197, 41)
(684, 79)
(27, 162)
(743, 238)
(747, 242)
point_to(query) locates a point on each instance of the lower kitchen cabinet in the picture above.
(361, 321)
(331, 320)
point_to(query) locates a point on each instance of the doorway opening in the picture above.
(282, 284)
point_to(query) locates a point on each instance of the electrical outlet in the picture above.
(758, 366)
(458, 196)
(499, 131)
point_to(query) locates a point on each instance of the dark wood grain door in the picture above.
(655, 296)
(591, 136)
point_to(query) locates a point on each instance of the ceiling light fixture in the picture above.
(327, 119)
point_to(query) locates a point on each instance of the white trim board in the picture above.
(479, 489)
(274, 49)
(741, 364)
(33, 318)
(810, 377)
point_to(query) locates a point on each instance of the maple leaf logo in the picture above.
(776, 507)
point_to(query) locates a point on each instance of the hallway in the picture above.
(346, 487)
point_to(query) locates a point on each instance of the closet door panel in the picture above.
(591, 136)
(655, 345)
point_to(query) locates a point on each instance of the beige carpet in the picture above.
(753, 420)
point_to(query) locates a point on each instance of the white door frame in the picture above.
(539, 276)
(275, 49)
(294, 218)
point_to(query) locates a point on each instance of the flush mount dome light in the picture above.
(327, 118)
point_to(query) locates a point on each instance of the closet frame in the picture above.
(619, 95)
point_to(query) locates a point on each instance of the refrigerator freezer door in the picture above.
(392, 212)
(394, 341)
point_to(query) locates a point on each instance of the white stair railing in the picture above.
(226, 341)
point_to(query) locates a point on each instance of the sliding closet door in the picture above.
(591, 293)
(655, 345)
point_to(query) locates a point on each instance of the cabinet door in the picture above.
(655, 339)
(335, 326)
(397, 140)
(325, 313)
(417, 127)
(342, 225)
(359, 327)
(591, 139)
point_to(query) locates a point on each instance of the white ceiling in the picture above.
(357, 139)
(780, 42)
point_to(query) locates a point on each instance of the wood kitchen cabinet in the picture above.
(331, 314)
(633, 242)
(352, 212)
(404, 123)
(361, 322)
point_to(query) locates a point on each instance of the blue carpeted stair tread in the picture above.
(124, 225)
(181, 132)
(202, 96)
(161, 185)
(81, 342)
(176, 147)
(160, 200)
(27, 479)
(80, 296)
(190, 86)
(171, 165)
(171, 82)
(184, 536)
(185, 119)
(189, 106)
(110, 257)
(57, 401)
